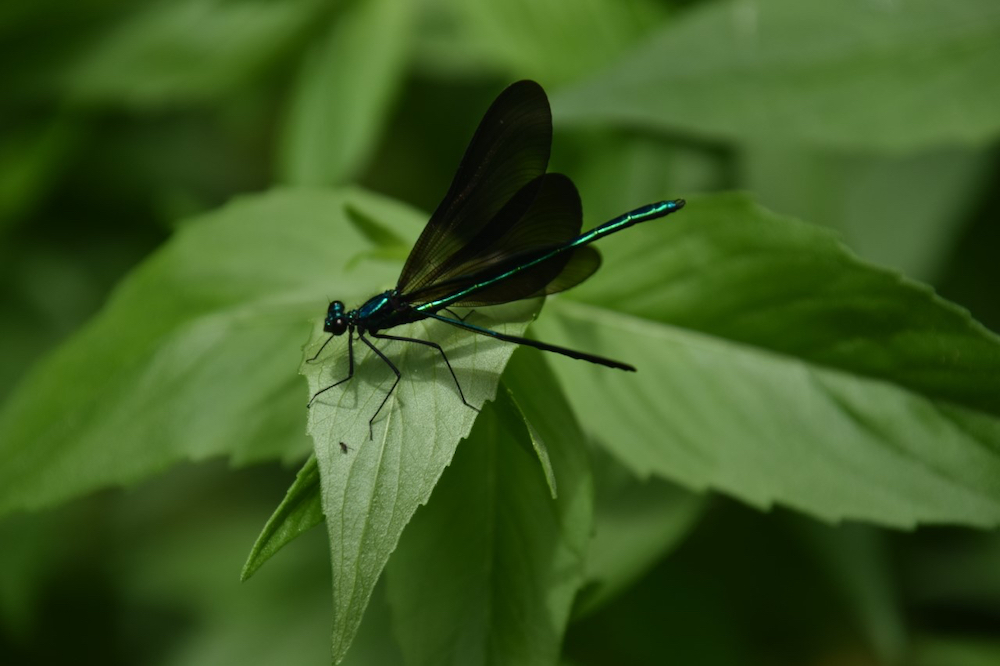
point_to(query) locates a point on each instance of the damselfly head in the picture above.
(336, 319)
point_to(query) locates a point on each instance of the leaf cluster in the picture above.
(805, 467)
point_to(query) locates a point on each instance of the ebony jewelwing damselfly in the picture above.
(505, 231)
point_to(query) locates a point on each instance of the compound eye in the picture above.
(339, 326)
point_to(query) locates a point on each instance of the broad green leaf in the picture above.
(392, 465)
(487, 571)
(800, 293)
(776, 367)
(636, 524)
(347, 82)
(901, 212)
(536, 39)
(169, 53)
(195, 353)
(300, 511)
(865, 75)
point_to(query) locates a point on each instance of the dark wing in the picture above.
(576, 266)
(508, 152)
(552, 217)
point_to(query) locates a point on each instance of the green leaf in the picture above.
(374, 232)
(873, 76)
(347, 82)
(393, 465)
(511, 411)
(487, 571)
(776, 367)
(300, 511)
(870, 200)
(542, 407)
(168, 53)
(195, 353)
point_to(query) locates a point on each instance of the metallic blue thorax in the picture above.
(383, 311)
(374, 306)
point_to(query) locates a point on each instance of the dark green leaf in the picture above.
(486, 573)
(370, 494)
(373, 231)
(300, 511)
(777, 367)
(902, 212)
(510, 412)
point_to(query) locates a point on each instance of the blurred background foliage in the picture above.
(120, 118)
